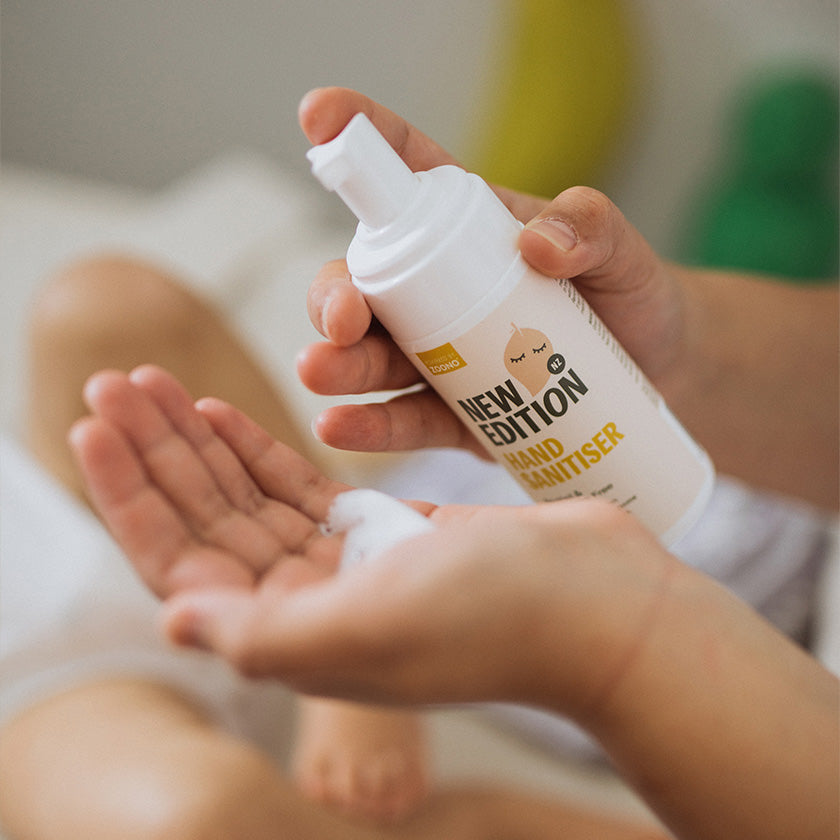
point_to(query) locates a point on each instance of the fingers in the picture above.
(142, 519)
(168, 457)
(178, 407)
(303, 639)
(410, 421)
(354, 360)
(324, 112)
(180, 490)
(581, 232)
(582, 235)
(359, 363)
(280, 472)
(375, 363)
(336, 307)
(232, 474)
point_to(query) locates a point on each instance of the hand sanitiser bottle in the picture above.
(520, 358)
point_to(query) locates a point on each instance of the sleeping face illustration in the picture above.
(526, 355)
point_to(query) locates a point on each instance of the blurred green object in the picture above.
(774, 207)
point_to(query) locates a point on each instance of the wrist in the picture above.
(598, 604)
(681, 364)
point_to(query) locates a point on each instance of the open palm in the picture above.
(198, 495)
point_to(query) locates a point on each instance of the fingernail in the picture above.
(313, 426)
(325, 317)
(557, 232)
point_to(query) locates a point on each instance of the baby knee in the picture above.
(234, 793)
(111, 298)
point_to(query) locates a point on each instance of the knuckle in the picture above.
(591, 207)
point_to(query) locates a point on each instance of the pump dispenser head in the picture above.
(368, 175)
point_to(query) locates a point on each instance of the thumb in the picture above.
(582, 234)
(306, 637)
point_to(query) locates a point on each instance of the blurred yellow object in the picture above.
(559, 94)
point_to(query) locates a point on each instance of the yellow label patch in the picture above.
(443, 359)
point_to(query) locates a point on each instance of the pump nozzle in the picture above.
(368, 175)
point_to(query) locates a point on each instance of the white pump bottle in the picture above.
(520, 358)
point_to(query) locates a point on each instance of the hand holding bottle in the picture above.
(520, 359)
(580, 235)
(746, 364)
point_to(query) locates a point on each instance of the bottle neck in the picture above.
(438, 258)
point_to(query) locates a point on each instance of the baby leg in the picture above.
(115, 312)
(134, 760)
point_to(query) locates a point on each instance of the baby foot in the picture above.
(368, 762)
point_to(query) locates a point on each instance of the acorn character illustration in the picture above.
(526, 354)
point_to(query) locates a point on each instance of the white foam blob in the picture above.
(372, 522)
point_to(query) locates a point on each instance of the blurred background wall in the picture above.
(138, 93)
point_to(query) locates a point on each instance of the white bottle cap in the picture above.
(368, 175)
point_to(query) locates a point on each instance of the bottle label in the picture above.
(440, 360)
(557, 401)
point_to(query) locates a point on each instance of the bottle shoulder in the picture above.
(440, 259)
